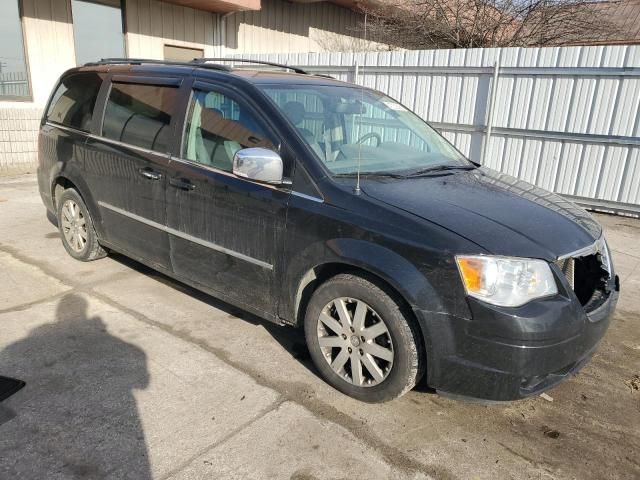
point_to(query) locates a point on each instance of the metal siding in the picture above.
(49, 43)
(549, 163)
(630, 192)
(292, 27)
(153, 24)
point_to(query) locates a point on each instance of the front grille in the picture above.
(587, 272)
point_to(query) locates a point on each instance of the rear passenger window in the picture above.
(72, 103)
(140, 115)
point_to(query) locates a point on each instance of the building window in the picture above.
(14, 79)
(97, 30)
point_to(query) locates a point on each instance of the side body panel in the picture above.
(60, 154)
(129, 182)
(225, 233)
(131, 205)
(61, 149)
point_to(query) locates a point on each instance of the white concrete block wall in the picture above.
(18, 139)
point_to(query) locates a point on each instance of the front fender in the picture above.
(394, 269)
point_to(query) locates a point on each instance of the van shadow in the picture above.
(77, 416)
(290, 338)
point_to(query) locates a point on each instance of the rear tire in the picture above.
(76, 227)
(361, 340)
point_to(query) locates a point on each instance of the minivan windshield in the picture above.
(350, 128)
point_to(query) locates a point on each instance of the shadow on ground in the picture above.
(77, 416)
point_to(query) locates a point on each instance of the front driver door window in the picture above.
(217, 127)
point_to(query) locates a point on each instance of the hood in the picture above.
(500, 213)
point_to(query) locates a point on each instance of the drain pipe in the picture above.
(492, 103)
(222, 33)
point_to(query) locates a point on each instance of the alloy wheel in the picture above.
(74, 226)
(355, 342)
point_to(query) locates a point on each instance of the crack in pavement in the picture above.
(87, 288)
(546, 468)
(203, 451)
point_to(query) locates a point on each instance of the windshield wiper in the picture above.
(439, 169)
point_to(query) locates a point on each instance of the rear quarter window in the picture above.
(73, 102)
(140, 115)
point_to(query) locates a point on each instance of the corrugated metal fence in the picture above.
(14, 84)
(566, 119)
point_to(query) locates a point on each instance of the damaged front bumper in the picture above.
(505, 354)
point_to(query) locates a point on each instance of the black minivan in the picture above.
(317, 203)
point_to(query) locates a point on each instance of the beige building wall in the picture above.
(281, 27)
(152, 24)
(48, 33)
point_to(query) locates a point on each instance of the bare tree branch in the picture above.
(422, 24)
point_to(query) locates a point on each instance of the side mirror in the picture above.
(259, 164)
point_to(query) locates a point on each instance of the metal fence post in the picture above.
(491, 101)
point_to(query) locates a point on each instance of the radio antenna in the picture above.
(357, 189)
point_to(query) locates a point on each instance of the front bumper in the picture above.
(511, 353)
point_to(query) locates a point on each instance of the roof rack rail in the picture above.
(203, 61)
(140, 61)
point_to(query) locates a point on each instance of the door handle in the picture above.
(150, 174)
(181, 183)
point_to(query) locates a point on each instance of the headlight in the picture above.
(505, 281)
(605, 254)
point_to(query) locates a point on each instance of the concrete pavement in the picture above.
(132, 375)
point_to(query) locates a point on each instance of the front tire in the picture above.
(76, 227)
(361, 340)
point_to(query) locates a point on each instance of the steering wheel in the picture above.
(369, 135)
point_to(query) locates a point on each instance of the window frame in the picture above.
(28, 98)
(199, 50)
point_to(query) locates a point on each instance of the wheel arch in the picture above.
(321, 273)
(395, 273)
(69, 178)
